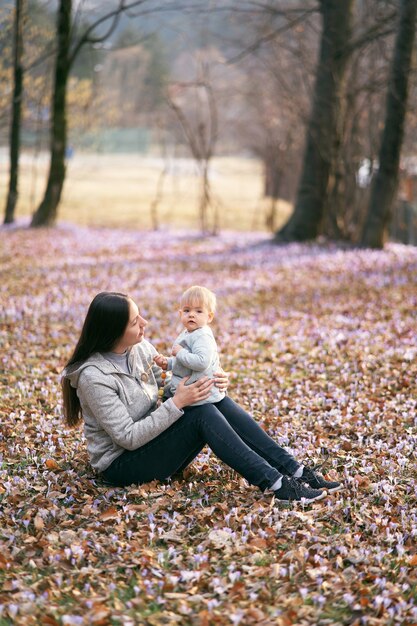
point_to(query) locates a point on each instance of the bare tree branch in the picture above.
(264, 7)
(200, 136)
(192, 142)
(375, 32)
(49, 52)
(87, 35)
(260, 41)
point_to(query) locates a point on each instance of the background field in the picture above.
(117, 190)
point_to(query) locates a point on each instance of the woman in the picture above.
(111, 381)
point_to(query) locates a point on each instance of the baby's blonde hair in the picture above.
(197, 295)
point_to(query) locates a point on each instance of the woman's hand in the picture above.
(196, 392)
(175, 349)
(221, 380)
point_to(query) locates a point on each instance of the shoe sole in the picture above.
(334, 489)
(328, 489)
(304, 500)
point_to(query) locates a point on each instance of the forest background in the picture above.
(267, 151)
(312, 101)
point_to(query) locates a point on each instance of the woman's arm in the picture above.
(105, 405)
(102, 402)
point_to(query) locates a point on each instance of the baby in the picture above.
(194, 352)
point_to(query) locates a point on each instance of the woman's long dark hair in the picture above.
(105, 323)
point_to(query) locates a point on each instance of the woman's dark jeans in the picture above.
(231, 433)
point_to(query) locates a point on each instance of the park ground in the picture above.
(321, 344)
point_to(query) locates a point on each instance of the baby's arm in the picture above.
(176, 348)
(203, 351)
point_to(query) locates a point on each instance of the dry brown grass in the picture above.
(118, 190)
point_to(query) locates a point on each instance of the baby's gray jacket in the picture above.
(199, 357)
(119, 410)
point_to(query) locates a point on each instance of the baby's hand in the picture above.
(175, 349)
(161, 361)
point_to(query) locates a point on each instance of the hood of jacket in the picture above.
(140, 356)
(95, 360)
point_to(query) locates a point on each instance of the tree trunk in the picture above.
(47, 211)
(385, 184)
(273, 168)
(16, 113)
(323, 132)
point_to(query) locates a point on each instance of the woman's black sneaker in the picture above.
(316, 480)
(292, 490)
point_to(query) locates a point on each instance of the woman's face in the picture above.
(134, 331)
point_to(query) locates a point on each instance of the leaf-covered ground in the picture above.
(322, 347)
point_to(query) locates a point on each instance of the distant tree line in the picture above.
(315, 89)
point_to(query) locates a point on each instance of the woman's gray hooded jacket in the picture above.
(120, 410)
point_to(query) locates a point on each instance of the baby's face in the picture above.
(194, 316)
